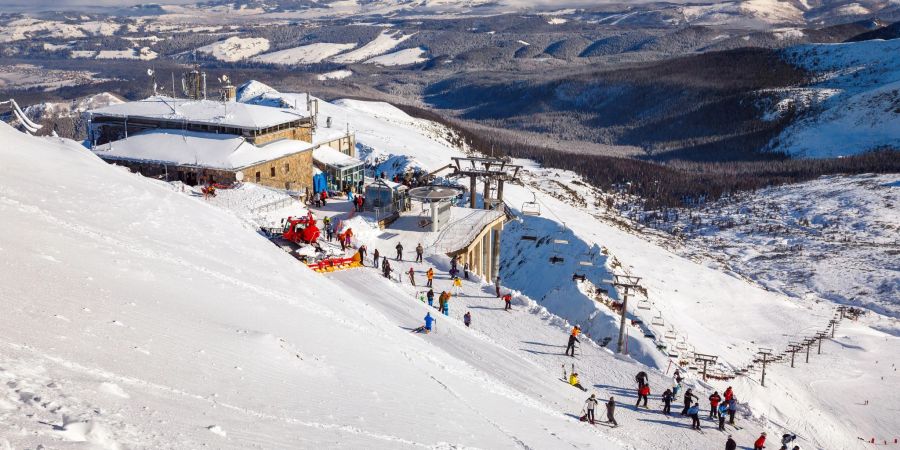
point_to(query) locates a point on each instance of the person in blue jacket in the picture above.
(694, 413)
(446, 310)
(430, 296)
(428, 321)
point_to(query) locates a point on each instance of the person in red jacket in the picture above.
(643, 392)
(760, 442)
(714, 400)
(728, 394)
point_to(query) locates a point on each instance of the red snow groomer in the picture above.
(301, 230)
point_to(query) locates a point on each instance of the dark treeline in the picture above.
(676, 183)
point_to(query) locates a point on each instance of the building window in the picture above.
(257, 177)
(272, 172)
(287, 167)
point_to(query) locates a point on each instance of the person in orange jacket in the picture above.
(573, 338)
(643, 392)
(760, 442)
(430, 276)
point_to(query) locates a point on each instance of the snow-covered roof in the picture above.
(187, 148)
(327, 155)
(232, 114)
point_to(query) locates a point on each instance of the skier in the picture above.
(375, 256)
(678, 376)
(732, 408)
(467, 319)
(419, 251)
(611, 411)
(689, 398)
(722, 410)
(497, 285)
(643, 392)
(760, 442)
(399, 248)
(430, 276)
(362, 253)
(466, 270)
(412, 276)
(714, 400)
(428, 321)
(694, 412)
(641, 379)
(730, 444)
(573, 338)
(430, 296)
(573, 380)
(443, 302)
(457, 286)
(786, 439)
(589, 406)
(508, 299)
(667, 401)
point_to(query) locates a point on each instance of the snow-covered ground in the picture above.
(305, 54)
(836, 238)
(853, 106)
(385, 42)
(404, 57)
(235, 48)
(335, 75)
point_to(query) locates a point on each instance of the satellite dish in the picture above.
(224, 78)
(150, 72)
(239, 176)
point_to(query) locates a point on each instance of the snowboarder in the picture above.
(689, 398)
(589, 406)
(419, 251)
(714, 400)
(428, 321)
(722, 410)
(643, 392)
(667, 401)
(375, 256)
(430, 276)
(412, 276)
(611, 411)
(399, 248)
(786, 439)
(641, 379)
(430, 296)
(508, 300)
(760, 442)
(457, 286)
(694, 413)
(573, 338)
(730, 444)
(467, 319)
(497, 285)
(466, 270)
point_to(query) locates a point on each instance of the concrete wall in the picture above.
(297, 133)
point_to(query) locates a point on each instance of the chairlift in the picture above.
(557, 252)
(658, 321)
(643, 304)
(531, 208)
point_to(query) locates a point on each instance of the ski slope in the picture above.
(384, 42)
(305, 54)
(135, 316)
(235, 48)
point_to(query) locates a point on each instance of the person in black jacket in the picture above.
(689, 398)
(730, 444)
(667, 402)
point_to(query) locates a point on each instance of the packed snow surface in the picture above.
(385, 42)
(400, 58)
(335, 75)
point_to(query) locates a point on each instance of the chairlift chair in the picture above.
(658, 321)
(532, 208)
(643, 304)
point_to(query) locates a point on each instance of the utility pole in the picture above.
(626, 282)
(794, 348)
(765, 353)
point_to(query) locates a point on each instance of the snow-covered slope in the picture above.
(305, 54)
(235, 48)
(384, 42)
(854, 106)
(137, 317)
(400, 58)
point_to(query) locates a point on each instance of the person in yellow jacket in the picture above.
(457, 286)
(430, 276)
(573, 380)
